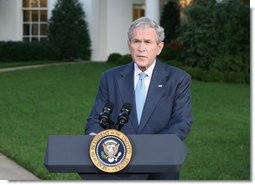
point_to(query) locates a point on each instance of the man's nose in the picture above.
(141, 47)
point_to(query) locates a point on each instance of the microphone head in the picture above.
(109, 105)
(127, 106)
(104, 117)
(123, 116)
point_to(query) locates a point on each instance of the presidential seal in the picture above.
(110, 151)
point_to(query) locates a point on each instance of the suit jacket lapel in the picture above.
(154, 94)
(126, 86)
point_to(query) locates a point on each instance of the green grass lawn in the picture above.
(56, 100)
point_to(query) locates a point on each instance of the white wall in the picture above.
(51, 5)
(108, 23)
(119, 17)
(96, 15)
(10, 20)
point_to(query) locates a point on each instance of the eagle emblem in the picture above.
(111, 149)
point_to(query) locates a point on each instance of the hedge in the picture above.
(28, 51)
(212, 75)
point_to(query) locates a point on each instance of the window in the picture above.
(138, 11)
(34, 20)
(184, 3)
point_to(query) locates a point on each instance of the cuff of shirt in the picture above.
(92, 133)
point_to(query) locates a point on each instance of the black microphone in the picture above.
(123, 116)
(104, 116)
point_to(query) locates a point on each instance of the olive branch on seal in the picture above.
(103, 155)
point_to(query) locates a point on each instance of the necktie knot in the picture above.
(142, 76)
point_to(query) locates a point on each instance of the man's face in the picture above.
(144, 47)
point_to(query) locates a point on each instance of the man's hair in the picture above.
(145, 23)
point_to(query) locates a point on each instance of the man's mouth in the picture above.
(140, 56)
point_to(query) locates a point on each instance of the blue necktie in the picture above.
(140, 92)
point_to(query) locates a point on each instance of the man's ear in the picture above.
(128, 43)
(160, 47)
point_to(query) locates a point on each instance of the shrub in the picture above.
(175, 63)
(68, 30)
(28, 51)
(212, 75)
(112, 58)
(235, 77)
(125, 59)
(216, 35)
(170, 20)
(171, 51)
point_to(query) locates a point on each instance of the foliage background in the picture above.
(217, 36)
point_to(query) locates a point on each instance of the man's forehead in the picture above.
(144, 30)
(145, 33)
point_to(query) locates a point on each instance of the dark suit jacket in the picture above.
(167, 109)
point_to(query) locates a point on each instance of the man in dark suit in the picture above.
(166, 108)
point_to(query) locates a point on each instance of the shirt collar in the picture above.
(148, 71)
